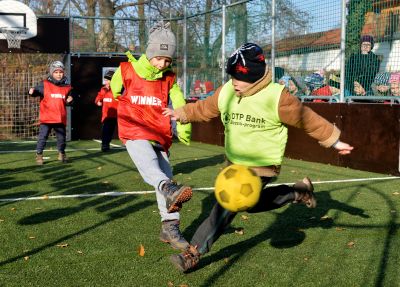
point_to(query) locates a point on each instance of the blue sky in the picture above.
(325, 13)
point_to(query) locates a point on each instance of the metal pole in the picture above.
(223, 43)
(342, 51)
(184, 52)
(273, 40)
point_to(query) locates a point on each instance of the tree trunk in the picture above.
(142, 26)
(107, 31)
(91, 6)
(207, 24)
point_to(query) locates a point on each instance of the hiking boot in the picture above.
(304, 192)
(171, 234)
(39, 159)
(187, 259)
(175, 194)
(62, 157)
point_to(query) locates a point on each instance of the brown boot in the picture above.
(187, 259)
(62, 157)
(304, 193)
(39, 159)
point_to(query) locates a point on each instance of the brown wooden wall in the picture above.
(373, 130)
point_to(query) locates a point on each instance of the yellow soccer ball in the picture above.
(237, 188)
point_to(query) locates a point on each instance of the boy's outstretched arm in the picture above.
(343, 147)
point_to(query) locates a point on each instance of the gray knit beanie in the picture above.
(162, 41)
(56, 65)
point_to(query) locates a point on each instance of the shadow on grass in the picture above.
(112, 216)
(190, 166)
(285, 232)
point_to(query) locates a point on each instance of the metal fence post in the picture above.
(185, 52)
(342, 51)
(273, 40)
(223, 43)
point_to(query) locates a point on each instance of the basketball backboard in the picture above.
(14, 14)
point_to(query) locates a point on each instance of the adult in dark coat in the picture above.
(362, 67)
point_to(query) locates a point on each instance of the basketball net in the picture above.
(13, 35)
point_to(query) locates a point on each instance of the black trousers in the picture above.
(219, 219)
(44, 131)
(107, 132)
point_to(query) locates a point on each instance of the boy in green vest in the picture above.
(255, 112)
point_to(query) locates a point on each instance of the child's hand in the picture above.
(69, 99)
(343, 148)
(31, 90)
(99, 104)
(170, 113)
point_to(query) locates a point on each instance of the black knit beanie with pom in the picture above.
(247, 63)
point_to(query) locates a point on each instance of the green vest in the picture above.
(254, 134)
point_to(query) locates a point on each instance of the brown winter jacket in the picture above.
(291, 113)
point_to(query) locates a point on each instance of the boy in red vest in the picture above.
(55, 94)
(144, 87)
(105, 99)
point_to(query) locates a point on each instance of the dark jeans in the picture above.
(219, 219)
(44, 131)
(107, 132)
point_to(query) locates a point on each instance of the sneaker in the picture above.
(187, 259)
(39, 159)
(176, 194)
(304, 192)
(62, 157)
(171, 234)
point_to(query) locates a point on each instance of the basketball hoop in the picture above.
(13, 35)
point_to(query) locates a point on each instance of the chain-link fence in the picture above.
(321, 50)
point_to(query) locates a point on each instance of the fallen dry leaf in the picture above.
(170, 284)
(13, 209)
(305, 258)
(63, 245)
(141, 250)
(1, 220)
(226, 260)
(99, 168)
(325, 217)
(26, 258)
(32, 237)
(38, 208)
(239, 231)
(351, 244)
(105, 182)
(396, 193)
(45, 197)
(244, 217)
(183, 285)
(79, 252)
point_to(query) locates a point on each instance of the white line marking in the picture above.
(54, 150)
(117, 193)
(111, 144)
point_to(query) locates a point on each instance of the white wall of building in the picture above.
(330, 59)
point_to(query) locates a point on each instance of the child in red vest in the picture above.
(105, 99)
(143, 88)
(55, 94)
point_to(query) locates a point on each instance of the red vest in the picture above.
(140, 107)
(52, 105)
(109, 104)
